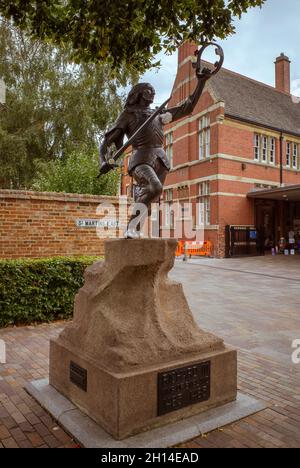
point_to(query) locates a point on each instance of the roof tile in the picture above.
(256, 102)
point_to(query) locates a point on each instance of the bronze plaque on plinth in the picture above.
(183, 387)
(78, 376)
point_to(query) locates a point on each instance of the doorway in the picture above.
(266, 222)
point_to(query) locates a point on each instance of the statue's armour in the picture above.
(148, 145)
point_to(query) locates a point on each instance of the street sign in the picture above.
(97, 223)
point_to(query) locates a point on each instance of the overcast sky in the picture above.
(261, 35)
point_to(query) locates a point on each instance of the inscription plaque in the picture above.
(78, 376)
(183, 387)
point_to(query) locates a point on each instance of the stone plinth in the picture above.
(131, 323)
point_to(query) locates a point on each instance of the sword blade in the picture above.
(139, 130)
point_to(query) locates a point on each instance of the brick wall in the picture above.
(41, 224)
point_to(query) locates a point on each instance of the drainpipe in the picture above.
(281, 159)
(159, 218)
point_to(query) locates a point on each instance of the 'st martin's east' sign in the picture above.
(97, 223)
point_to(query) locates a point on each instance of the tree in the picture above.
(53, 106)
(75, 174)
(125, 32)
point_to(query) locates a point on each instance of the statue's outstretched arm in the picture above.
(202, 76)
(188, 106)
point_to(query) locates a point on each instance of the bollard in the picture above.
(185, 258)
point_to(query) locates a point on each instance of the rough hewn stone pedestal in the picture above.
(132, 323)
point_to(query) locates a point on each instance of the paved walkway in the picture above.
(253, 304)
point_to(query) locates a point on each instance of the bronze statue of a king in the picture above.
(143, 127)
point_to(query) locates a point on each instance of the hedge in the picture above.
(40, 290)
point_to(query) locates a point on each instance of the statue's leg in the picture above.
(149, 188)
(161, 171)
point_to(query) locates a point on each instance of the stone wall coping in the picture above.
(56, 196)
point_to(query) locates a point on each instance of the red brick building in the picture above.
(243, 136)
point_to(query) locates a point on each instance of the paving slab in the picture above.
(91, 435)
(252, 303)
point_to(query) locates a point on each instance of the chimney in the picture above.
(186, 50)
(283, 74)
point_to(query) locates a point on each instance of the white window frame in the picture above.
(272, 144)
(207, 143)
(201, 146)
(169, 147)
(169, 214)
(256, 147)
(204, 137)
(295, 156)
(201, 213)
(264, 148)
(288, 154)
(169, 195)
(204, 211)
(264, 151)
(207, 211)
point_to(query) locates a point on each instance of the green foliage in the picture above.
(126, 32)
(54, 107)
(39, 290)
(76, 173)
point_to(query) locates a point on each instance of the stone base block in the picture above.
(126, 403)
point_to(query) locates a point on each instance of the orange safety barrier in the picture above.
(180, 249)
(200, 249)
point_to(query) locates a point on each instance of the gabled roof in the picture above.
(256, 102)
